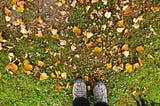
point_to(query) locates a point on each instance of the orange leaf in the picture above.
(27, 65)
(155, 9)
(7, 11)
(12, 67)
(125, 47)
(128, 10)
(57, 88)
(120, 23)
(81, 1)
(139, 48)
(55, 36)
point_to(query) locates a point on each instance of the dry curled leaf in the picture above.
(57, 88)
(12, 67)
(139, 48)
(135, 93)
(109, 65)
(27, 65)
(155, 9)
(136, 65)
(94, 1)
(128, 10)
(20, 9)
(141, 62)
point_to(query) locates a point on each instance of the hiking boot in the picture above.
(99, 92)
(79, 89)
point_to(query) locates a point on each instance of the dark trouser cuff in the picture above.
(81, 101)
(101, 104)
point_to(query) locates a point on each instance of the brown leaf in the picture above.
(44, 76)
(12, 67)
(57, 88)
(141, 62)
(155, 9)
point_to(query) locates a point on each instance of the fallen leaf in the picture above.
(81, 1)
(64, 75)
(125, 53)
(94, 1)
(105, 2)
(55, 36)
(76, 30)
(89, 34)
(128, 67)
(57, 88)
(7, 18)
(58, 73)
(14, 2)
(12, 67)
(73, 48)
(27, 65)
(89, 45)
(109, 65)
(97, 49)
(86, 78)
(63, 42)
(40, 63)
(128, 10)
(39, 35)
(1, 38)
(135, 93)
(125, 47)
(150, 56)
(141, 62)
(139, 48)
(120, 23)
(20, 9)
(39, 19)
(136, 65)
(120, 30)
(20, 3)
(107, 14)
(1, 46)
(53, 75)
(44, 76)
(63, 1)
(7, 11)
(68, 85)
(155, 9)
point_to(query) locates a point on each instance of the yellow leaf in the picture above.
(25, 35)
(39, 19)
(98, 49)
(40, 63)
(125, 47)
(19, 20)
(150, 56)
(68, 85)
(135, 93)
(139, 48)
(99, 40)
(128, 67)
(109, 65)
(86, 78)
(120, 23)
(12, 67)
(58, 73)
(14, 2)
(44, 76)
(1, 38)
(27, 65)
(76, 30)
(20, 9)
(63, 1)
(7, 11)
(53, 75)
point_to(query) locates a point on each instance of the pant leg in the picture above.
(101, 104)
(80, 102)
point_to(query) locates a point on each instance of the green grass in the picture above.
(21, 89)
